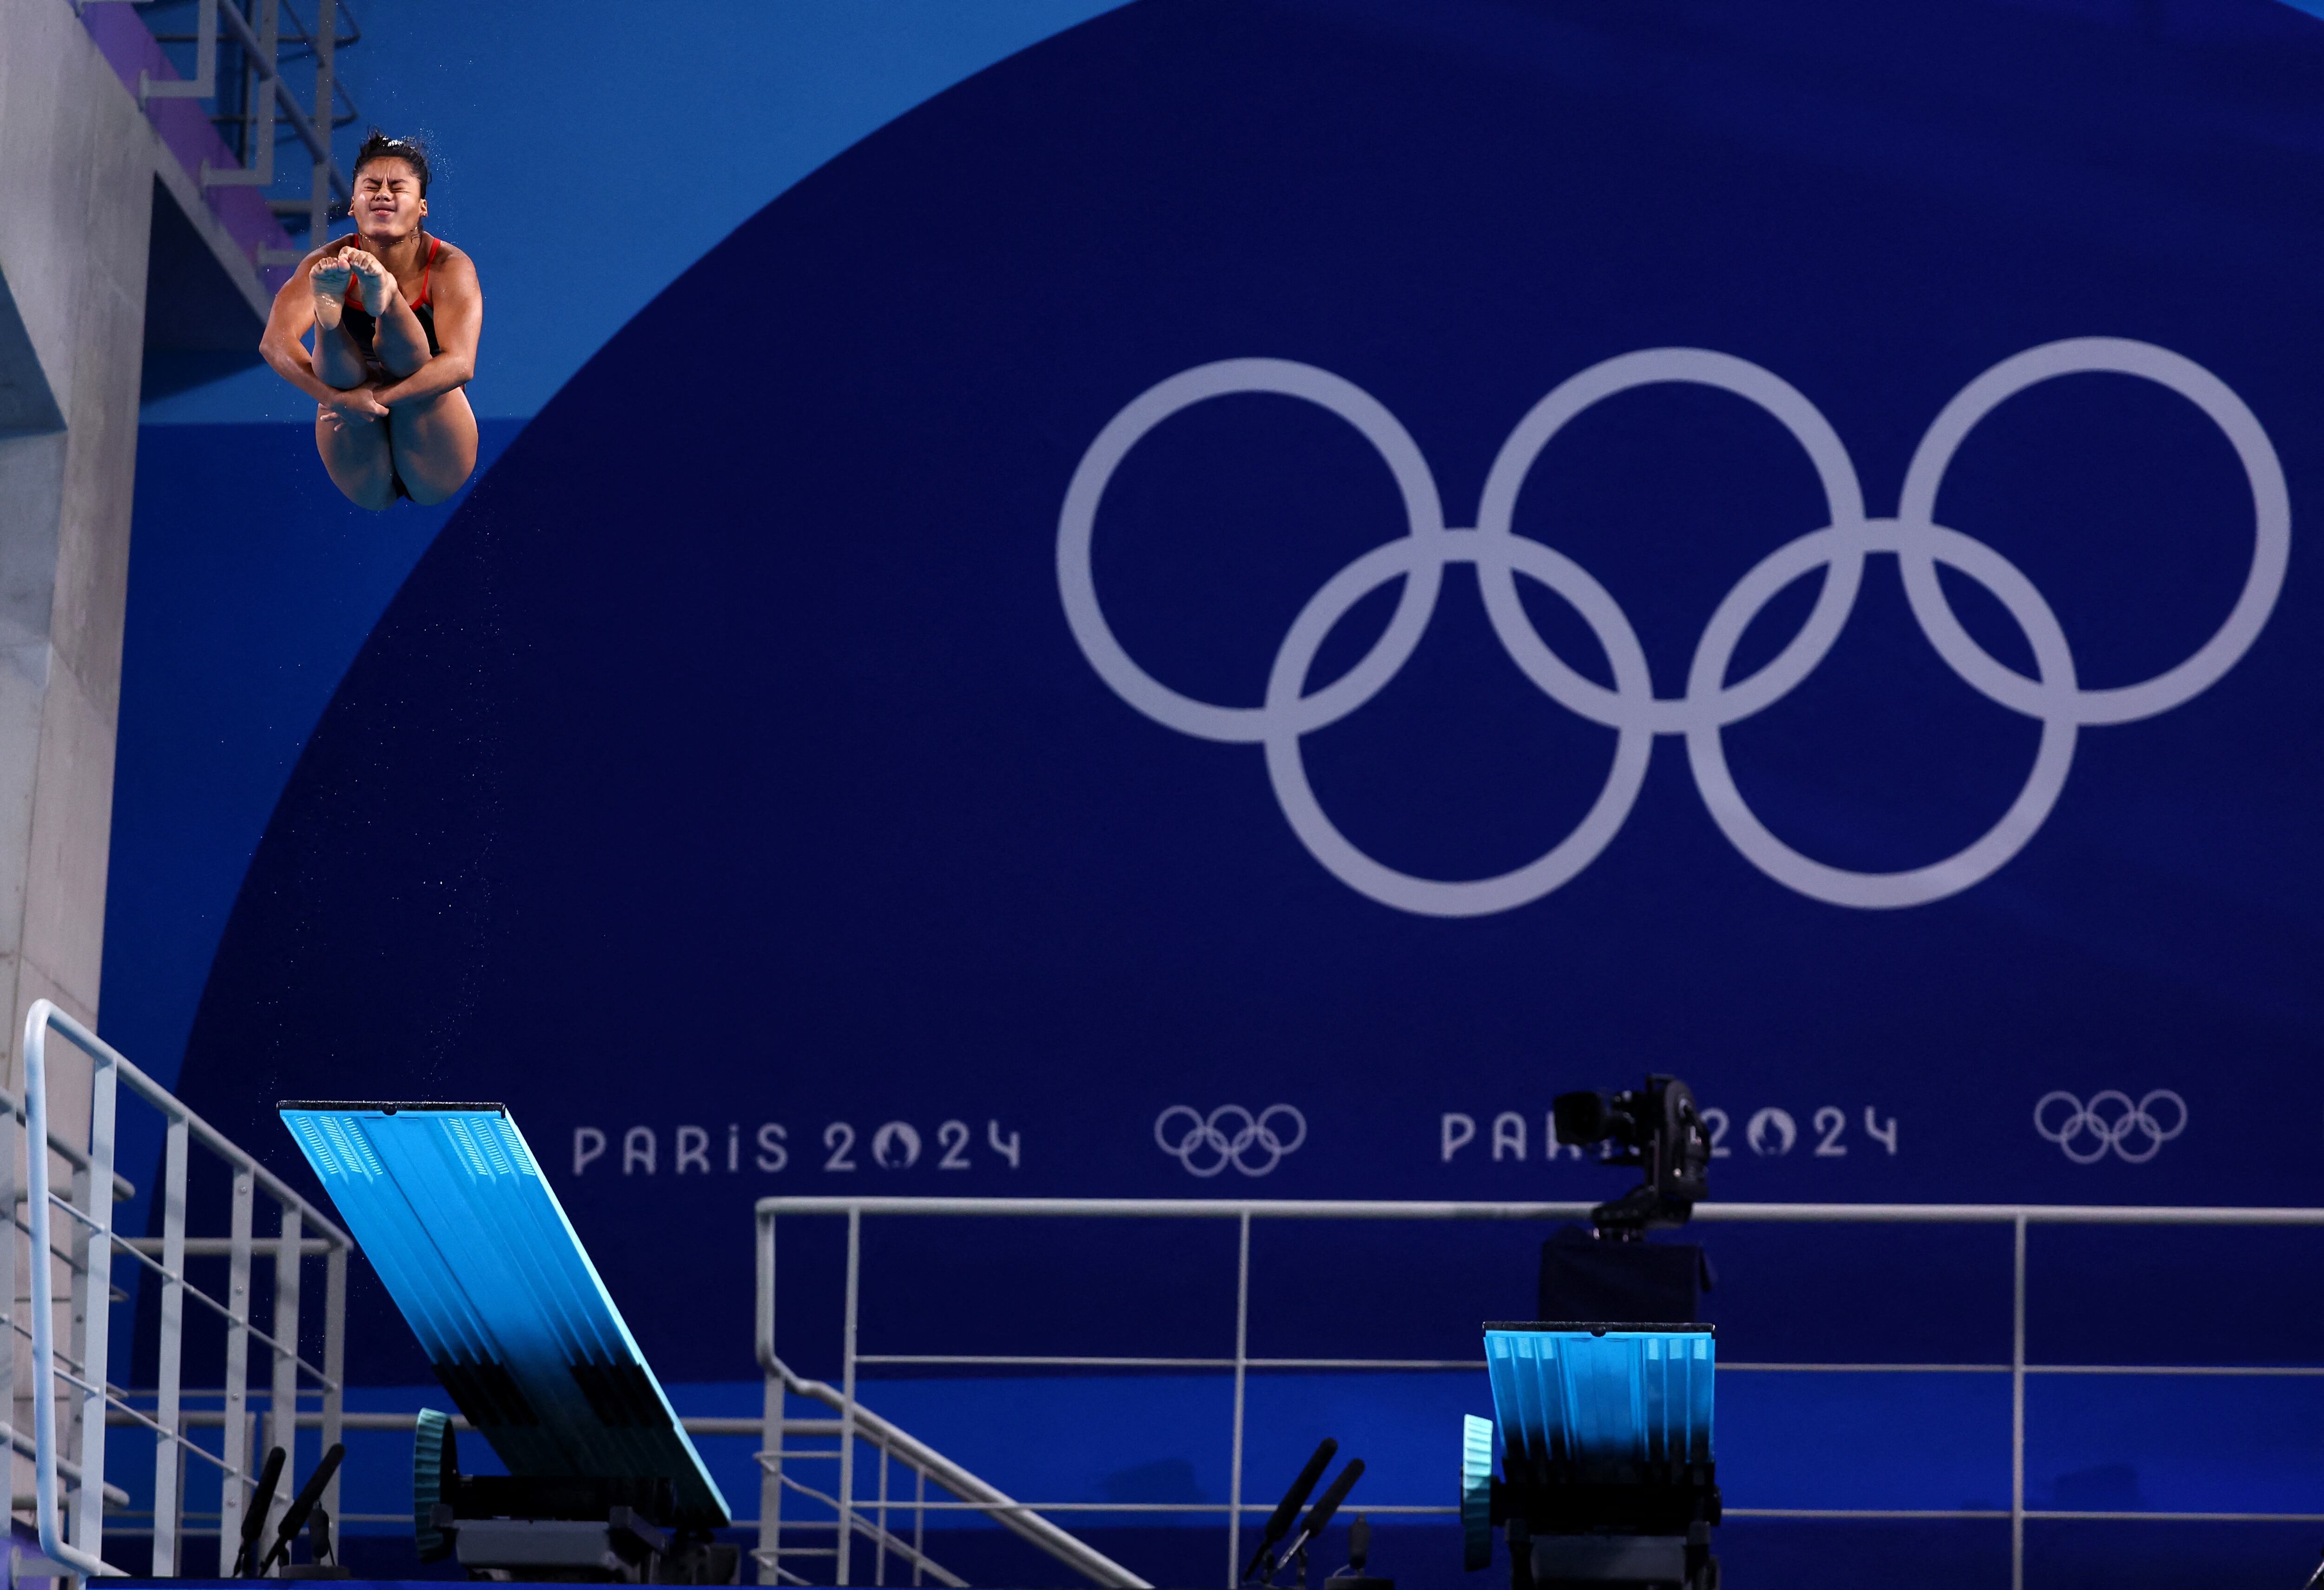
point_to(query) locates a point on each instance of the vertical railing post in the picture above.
(234, 1482)
(2018, 1418)
(260, 70)
(319, 200)
(335, 1368)
(1241, 1361)
(771, 1457)
(919, 1520)
(169, 1459)
(847, 1393)
(879, 1559)
(282, 1393)
(43, 1279)
(270, 45)
(96, 1341)
(75, 1249)
(11, 1195)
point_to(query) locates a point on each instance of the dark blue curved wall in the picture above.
(728, 762)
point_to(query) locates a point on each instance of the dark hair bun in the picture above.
(380, 147)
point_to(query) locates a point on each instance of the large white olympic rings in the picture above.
(1207, 1145)
(1711, 702)
(2108, 1120)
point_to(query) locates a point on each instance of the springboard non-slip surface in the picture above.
(1603, 1395)
(450, 1206)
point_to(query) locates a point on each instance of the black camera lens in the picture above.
(1582, 1117)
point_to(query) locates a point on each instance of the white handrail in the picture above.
(2019, 1217)
(975, 1493)
(96, 1183)
(857, 1421)
(1415, 1209)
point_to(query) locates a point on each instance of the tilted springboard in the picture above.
(1603, 1395)
(451, 1208)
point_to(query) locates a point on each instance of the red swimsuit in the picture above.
(363, 326)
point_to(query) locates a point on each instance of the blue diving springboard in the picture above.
(1604, 1396)
(1606, 1455)
(450, 1206)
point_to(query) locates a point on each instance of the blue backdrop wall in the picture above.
(1160, 626)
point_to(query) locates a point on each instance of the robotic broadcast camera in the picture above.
(1602, 1416)
(1656, 1128)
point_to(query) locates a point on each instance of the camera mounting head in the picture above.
(1656, 1128)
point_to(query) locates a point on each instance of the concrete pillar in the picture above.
(76, 181)
(77, 170)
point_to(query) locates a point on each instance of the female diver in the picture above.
(396, 314)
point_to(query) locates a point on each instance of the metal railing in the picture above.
(77, 1453)
(267, 98)
(856, 1423)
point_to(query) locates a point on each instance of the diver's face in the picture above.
(387, 203)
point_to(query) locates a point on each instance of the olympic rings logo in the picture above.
(1207, 1145)
(2108, 1122)
(1712, 701)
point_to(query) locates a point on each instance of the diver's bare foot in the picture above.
(374, 282)
(329, 280)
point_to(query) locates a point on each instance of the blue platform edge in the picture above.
(449, 1205)
(1610, 1396)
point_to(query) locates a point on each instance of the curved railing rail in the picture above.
(77, 1454)
(849, 1505)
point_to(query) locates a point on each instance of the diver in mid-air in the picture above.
(396, 312)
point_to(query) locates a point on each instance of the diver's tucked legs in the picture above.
(356, 451)
(336, 361)
(434, 442)
(399, 344)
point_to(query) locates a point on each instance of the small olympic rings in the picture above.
(1207, 1145)
(1711, 702)
(2086, 1132)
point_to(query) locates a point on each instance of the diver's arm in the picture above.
(459, 302)
(289, 320)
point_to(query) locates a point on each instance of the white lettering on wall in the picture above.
(1458, 1131)
(895, 1147)
(1771, 1132)
(1508, 1136)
